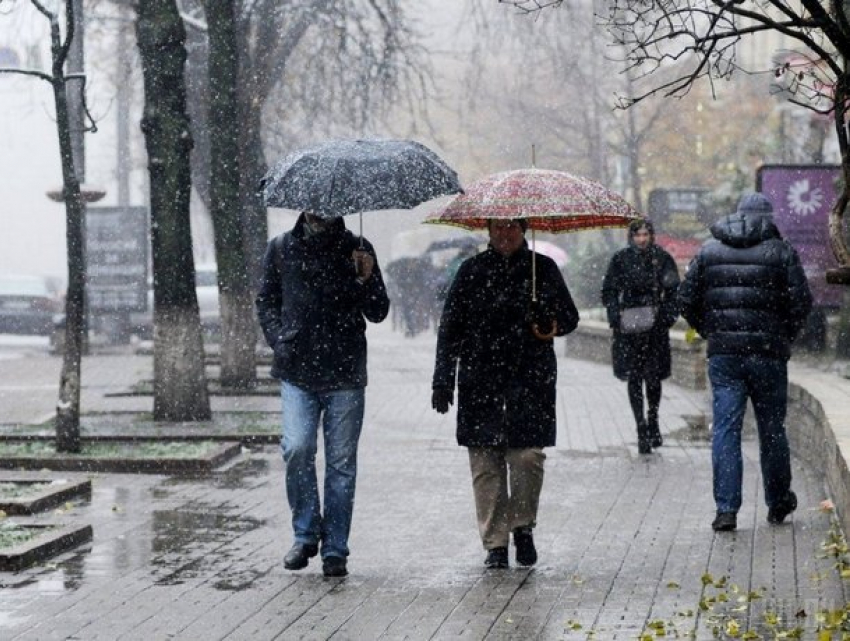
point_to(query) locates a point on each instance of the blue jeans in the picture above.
(341, 414)
(765, 382)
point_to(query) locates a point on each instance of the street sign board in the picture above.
(116, 259)
(802, 197)
(678, 212)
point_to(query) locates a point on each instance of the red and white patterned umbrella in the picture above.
(551, 201)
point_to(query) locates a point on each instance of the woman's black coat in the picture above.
(636, 278)
(506, 376)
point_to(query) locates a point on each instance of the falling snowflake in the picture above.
(803, 199)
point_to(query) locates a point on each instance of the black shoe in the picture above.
(655, 438)
(299, 556)
(526, 553)
(778, 512)
(725, 522)
(497, 558)
(334, 566)
(644, 442)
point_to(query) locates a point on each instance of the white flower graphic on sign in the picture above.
(803, 199)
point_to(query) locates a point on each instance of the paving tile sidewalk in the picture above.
(625, 543)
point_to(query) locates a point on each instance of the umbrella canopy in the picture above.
(551, 201)
(341, 177)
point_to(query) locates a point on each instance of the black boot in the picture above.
(644, 441)
(655, 438)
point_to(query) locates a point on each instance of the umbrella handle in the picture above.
(545, 337)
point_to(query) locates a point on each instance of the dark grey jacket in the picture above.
(312, 308)
(745, 291)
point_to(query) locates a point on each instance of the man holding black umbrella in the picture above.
(320, 285)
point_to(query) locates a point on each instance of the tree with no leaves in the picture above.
(698, 39)
(70, 382)
(180, 386)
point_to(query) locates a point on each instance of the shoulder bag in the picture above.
(637, 320)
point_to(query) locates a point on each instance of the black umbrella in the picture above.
(341, 177)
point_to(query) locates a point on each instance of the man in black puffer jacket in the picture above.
(320, 285)
(746, 292)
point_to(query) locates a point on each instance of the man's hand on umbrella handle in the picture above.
(364, 263)
(441, 398)
(545, 336)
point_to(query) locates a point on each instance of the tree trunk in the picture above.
(68, 406)
(238, 334)
(180, 387)
(253, 168)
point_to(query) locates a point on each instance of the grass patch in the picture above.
(12, 534)
(112, 449)
(20, 490)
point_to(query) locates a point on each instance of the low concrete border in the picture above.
(68, 463)
(819, 430)
(50, 496)
(55, 540)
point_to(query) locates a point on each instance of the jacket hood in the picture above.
(745, 229)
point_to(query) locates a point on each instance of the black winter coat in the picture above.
(506, 376)
(636, 278)
(312, 307)
(745, 291)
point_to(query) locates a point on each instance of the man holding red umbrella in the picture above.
(500, 344)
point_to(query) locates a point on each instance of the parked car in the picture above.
(206, 289)
(28, 304)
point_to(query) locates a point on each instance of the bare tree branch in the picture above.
(27, 72)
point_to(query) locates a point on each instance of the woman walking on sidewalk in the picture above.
(639, 294)
(506, 382)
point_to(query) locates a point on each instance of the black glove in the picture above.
(441, 398)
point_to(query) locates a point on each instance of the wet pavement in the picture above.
(625, 543)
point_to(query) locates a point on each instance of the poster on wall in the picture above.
(802, 197)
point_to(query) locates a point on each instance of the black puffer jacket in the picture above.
(312, 308)
(506, 376)
(745, 291)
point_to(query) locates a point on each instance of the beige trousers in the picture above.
(506, 484)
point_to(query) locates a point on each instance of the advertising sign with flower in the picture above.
(802, 197)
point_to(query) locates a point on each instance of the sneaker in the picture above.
(725, 522)
(526, 553)
(334, 566)
(778, 512)
(497, 558)
(299, 555)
